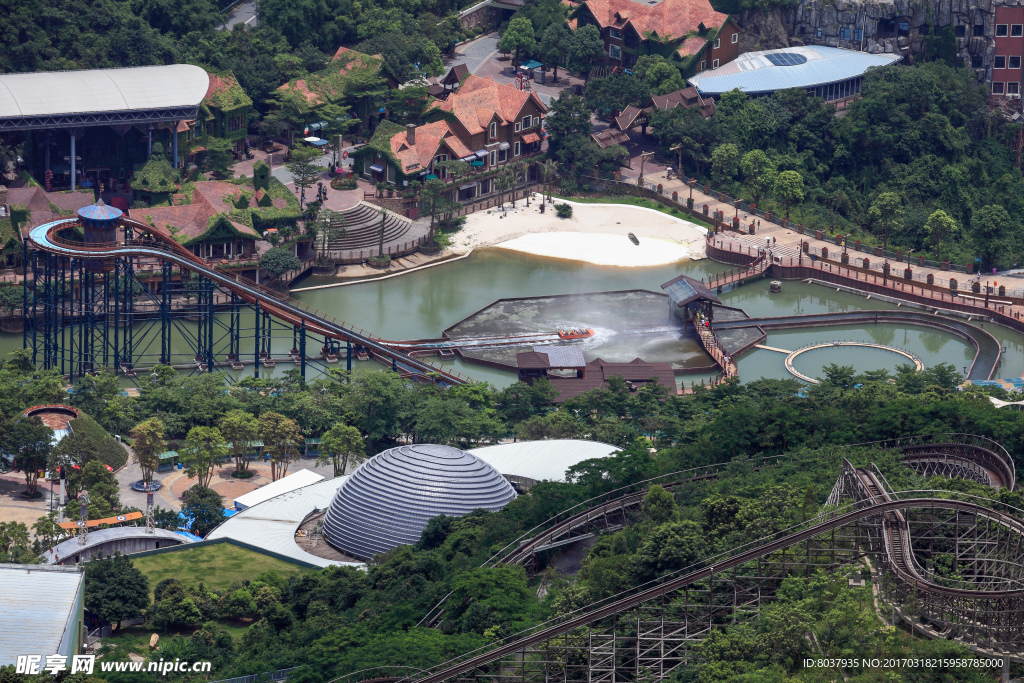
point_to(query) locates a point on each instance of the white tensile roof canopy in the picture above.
(102, 91)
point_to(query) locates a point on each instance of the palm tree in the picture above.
(504, 180)
(549, 168)
(517, 168)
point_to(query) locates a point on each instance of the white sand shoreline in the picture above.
(596, 233)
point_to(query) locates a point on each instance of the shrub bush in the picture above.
(563, 210)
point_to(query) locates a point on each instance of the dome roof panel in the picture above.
(389, 499)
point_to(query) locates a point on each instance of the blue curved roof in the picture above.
(389, 499)
(100, 212)
(793, 67)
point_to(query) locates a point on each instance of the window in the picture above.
(997, 88)
(960, 31)
(714, 64)
(718, 43)
(703, 65)
(527, 121)
(615, 33)
(979, 30)
(1014, 63)
(1016, 30)
(494, 129)
(977, 62)
(903, 28)
(519, 126)
(1001, 30)
(519, 147)
(818, 32)
(235, 123)
(1013, 88)
(844, 34)
(502, 155)
(858, 34)
(999, 63)
(615, 52)
(494, 158)
(735, 38)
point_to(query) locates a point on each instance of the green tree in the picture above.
(759, 173)
(568, 119)
(203, 449)
(552, 45)
(659, 505)
(585, 48)
(204, 507)
(14, 544)
(115, 589)
(173, 607)
(219, 156)
(789, 189)
(996, 235)
(304, 172)
(518, 36)
(279, 260)
(241, 430)
(724, 163)
(11, 298)
(281, 438)
(238, 604)
(887, 209)
(147, 445)
(340, 445)
(616, 92)
(837, 201)
(104, 496)
(940, 224)
(669, 547)
(30, 441)
(660, 75)
(434, 192)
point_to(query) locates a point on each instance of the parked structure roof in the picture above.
(295, 480)
(41, 99)
(792, 67)
(598, 372)
(683, 290)
(66, 549)
(389, 499)
(38, 604)
(542, 460)
(271, 525)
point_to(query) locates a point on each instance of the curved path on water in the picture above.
(987, 350)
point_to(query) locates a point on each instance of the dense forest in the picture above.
(339, 620)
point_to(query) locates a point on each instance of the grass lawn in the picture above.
(217, 566)
(635, 201)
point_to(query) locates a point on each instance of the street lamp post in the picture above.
(383, 216)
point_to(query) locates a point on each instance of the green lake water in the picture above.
(422, 304)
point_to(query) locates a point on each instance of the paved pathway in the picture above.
(482, 58)
(243, 13)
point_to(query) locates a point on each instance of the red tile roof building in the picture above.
(206, 225)
(483, 122)
(698, 35)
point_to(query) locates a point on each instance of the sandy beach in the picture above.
(596, 233)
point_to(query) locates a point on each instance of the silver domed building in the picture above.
(388, 500)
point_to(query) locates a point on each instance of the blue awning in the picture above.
(377, 168)
(532, 64)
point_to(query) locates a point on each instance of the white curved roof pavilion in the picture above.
(541, 460)
(65, 99)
